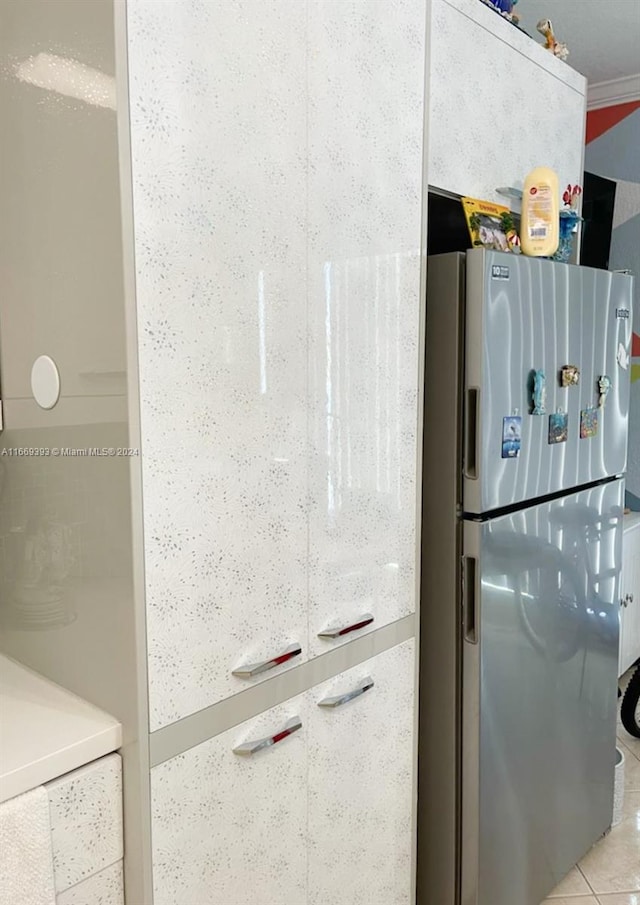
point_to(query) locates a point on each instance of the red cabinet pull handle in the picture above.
(340, 699)
(249, 748)
(339, 631)
(254, 669)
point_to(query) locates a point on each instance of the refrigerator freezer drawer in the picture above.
(525, 315)
(539, 693)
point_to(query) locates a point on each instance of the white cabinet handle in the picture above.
(253, 669)
(249, 748)
(341, 699)
(340, 630)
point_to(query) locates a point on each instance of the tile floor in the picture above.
(610, 873)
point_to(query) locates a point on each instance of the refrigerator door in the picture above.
(539, 683)
(525, 315)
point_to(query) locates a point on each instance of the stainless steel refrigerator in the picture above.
(525, 443)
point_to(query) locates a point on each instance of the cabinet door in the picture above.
(366, 105)
(61, 228)
(228, 828)
(525, 107)
(361, 783)
(218, 138)
(630, 600)
(86, 821)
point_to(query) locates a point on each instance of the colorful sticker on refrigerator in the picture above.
(558, 427)
(604, 385)
(511, 436)
(539, 393)
(570, 376)
(622, 357)
(588, 423)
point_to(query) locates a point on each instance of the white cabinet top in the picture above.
(530, 47)
(45, 731)
(500, 105)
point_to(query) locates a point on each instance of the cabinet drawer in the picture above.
(361, 783)
(86, 820)
(230, 828)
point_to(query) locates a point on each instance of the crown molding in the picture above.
(615, 91)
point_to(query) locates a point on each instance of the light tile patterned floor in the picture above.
(610, 873)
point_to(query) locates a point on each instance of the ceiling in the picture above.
(603, 37)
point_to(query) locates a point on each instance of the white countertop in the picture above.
(631, 521)
(45, 731)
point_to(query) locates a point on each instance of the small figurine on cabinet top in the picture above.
(571, 195)
(505, 8)
(514, 241)
(569, 220)
(557, 48)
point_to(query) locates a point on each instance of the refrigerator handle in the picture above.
(471, 432)
(470, 599)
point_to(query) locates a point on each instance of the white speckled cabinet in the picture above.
(85, 808)
(366, 118)
(218, 136)
(361, 783)
(276, 218)
(320, 817)
(277, 163)
(500, 104)
(230, 828)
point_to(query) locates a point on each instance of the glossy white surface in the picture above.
(178, 737)
(67, 605)
(86, 820)
(60, 235)
(277, 204)
(46, 731)
(366, 112)
(324, 816)
(516, 107)
(227, 827)
(361, 785)
(219, 169)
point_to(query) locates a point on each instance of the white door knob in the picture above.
(45, 382)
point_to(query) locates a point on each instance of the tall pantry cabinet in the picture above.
(272, 184)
